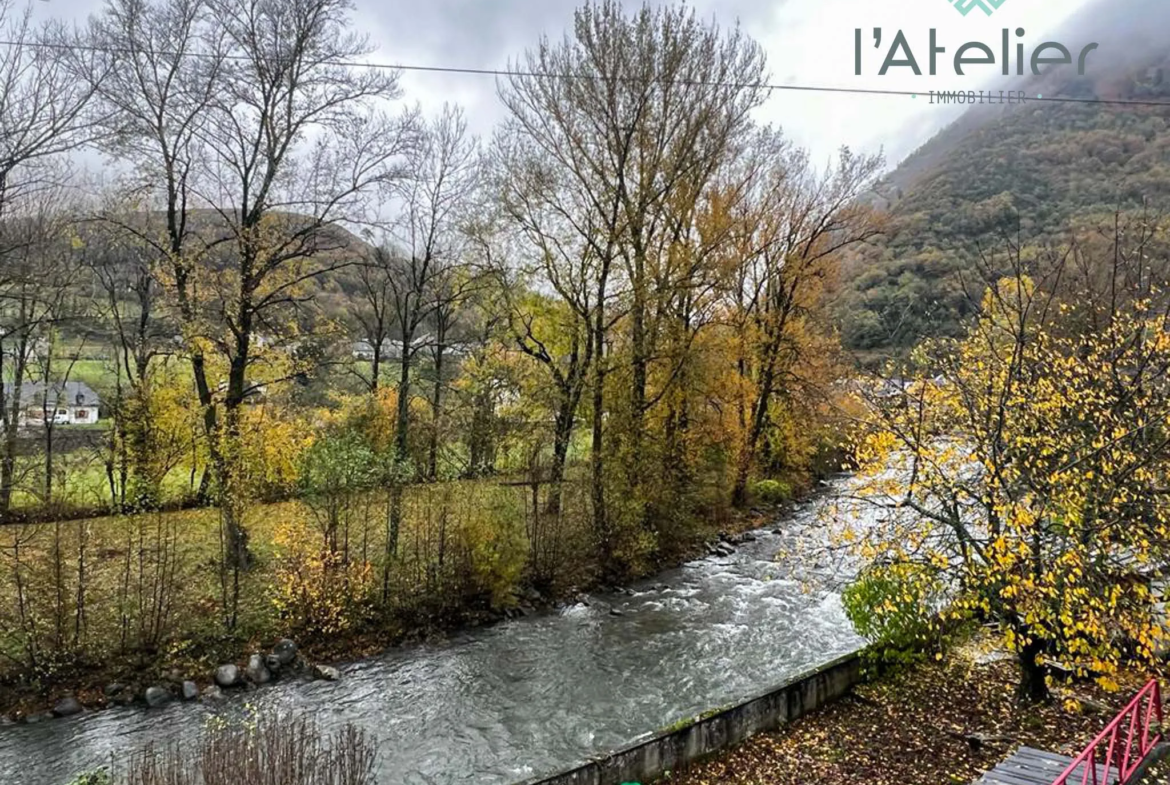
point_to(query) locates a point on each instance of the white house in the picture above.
(71, 403)
(391, 348)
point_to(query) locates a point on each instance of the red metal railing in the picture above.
(1116, 753)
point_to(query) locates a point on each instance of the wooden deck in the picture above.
(1029, 766)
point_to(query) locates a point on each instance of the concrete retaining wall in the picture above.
(645, 760)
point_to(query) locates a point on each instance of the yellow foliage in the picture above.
(1024, 467)
(315, 589)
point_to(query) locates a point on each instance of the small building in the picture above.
(391, 348)
(71, 403)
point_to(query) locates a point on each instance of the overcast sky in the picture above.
(807, 42)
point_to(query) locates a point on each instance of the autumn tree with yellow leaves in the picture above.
(1019, 474)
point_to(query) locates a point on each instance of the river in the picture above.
(526, 697)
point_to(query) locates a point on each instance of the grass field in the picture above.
(125, 598)
(80, 482)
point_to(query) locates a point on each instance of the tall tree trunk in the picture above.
(13, 408)
(1033, 686)
(562, 435)
(597, 457)
(376, 370)
(401, 448)
(436, 409)
(227, 463)
(49, 456)
(747, 454)
(479, 461)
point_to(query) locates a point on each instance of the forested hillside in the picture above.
(1029, 174)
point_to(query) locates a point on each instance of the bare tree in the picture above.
(373, 317)
(427, 247)
(36, 302)
(532, 195)
(42, 115)
(164, 65)
(652, 106)
(793, 223)
(131, 307)
(296, 142)
(256, 138)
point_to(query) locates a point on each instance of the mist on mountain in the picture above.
(1095, 146)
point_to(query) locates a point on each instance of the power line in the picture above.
(513, 73)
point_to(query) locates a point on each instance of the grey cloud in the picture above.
(486, 33)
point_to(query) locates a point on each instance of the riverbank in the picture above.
(933, 724)
(89, 683)
(525, 698)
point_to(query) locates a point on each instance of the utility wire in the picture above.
(512, 73)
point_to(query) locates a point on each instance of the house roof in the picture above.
(69, 393)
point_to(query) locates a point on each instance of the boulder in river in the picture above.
(227, 675)
(285, 651)
(273, 664)
(326, 673)
(212, 694)
(66, 707)
(256, 671)
(190, 690)
(118, 694)
(157, 696)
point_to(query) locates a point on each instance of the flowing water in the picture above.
(526, 697)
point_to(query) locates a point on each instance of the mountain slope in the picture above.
(1029, 172)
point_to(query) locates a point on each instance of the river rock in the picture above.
(190, 690)
(256, 672)
(273, 664)
(227, 675)
(212, 694)
(285, 651)
(33, 719)
(326, 673)
(156, 697)
(118, 694)
(66, 707)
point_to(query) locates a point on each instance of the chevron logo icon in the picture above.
(988, 7)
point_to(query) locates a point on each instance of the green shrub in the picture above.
(895, 608)
(97, 777)
(771, 491)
